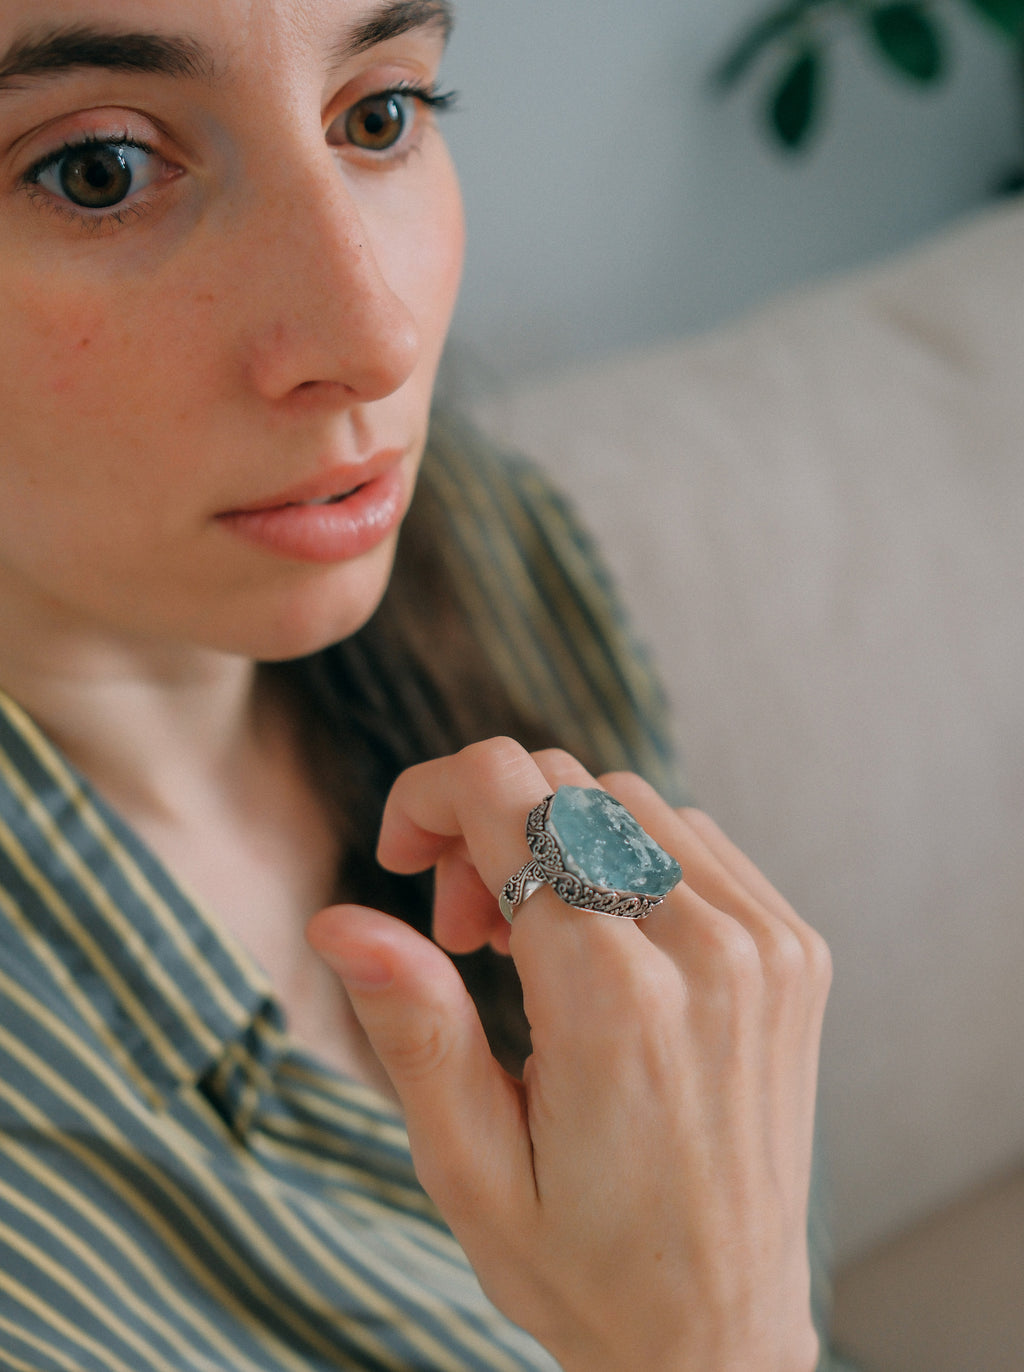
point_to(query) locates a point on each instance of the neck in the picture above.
(146, 723)
(201, 758)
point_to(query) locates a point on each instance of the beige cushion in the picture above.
(946, 1296)
(816, 517)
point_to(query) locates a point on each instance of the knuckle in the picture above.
(737, 952)
(494, 761)
(785, 957)
(798, 958)
(416, 1055)
(555, 760)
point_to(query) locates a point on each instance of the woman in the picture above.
(230, 240)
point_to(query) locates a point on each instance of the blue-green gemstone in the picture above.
(603, 845)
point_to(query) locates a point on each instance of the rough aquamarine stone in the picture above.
(603, 845)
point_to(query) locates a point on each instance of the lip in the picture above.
(339, 479)
(369, 502)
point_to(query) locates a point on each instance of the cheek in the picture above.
(48, 349)
(86, 420)
(448, 247)
(65, 369)
(89, 375)
(63, 356)
(423, 261)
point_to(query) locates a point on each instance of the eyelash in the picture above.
(440, 102)
(117, 214)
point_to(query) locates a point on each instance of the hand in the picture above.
(640, 1199)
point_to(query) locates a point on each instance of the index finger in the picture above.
(480, 795)
(475, 804)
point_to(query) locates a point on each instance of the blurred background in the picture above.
(614, 199)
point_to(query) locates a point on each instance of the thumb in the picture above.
(462, 1110)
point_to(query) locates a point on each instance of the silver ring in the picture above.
(594, 855)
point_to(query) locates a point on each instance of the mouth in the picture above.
(334, 486)
(337, 499)
(333, 518)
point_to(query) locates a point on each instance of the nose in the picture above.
(323, 316)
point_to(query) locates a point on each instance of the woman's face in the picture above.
(230, 243)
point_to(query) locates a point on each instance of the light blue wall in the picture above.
(612, 200)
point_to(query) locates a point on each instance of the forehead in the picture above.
(189, 37)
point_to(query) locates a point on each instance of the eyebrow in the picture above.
(397, 18)
(60, 50)
(55, 51)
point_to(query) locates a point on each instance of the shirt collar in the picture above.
(171, 996)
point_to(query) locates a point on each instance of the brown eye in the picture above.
(96, 177)
(379, 122)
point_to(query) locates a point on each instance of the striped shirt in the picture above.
(181, 1187)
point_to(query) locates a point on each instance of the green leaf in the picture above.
(793, 104)
(757, 39)
(1007, 15)
(909, 40)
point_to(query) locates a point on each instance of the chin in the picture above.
(285, 643)
(314, 616)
